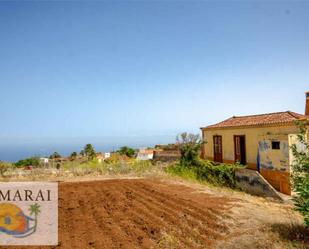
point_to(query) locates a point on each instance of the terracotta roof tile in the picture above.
(260, 119)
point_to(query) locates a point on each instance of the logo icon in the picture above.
(13, 221)
(28, 213)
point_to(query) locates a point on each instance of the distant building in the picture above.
(107, 155)
(60, 159)
(261, 142)
(166, 153)
(102, 156)
(44, 161)
(145, 154)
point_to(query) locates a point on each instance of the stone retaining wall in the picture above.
(252, 182)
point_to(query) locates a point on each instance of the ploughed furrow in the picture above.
(149, 212)
(67, 215)
(78, 209)
(98, 224)
(149, 216)
(204, 215)
(174, 201)
(138, 214)
(119, 216)
(200, 204)
(108, 216)
(188, 227)
(142, 215)
(188, 202)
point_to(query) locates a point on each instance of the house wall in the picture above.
(293, 140)
(144, 156)
(166, 155)
(274, 164)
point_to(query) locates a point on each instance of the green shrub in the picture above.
(129, 152)
(55, 155)
(31, 161)
(89, 152)
(187, 173)
(206, 171)
(189, 146)
(300, 174)
(222, 174)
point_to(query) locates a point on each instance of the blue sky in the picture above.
(91, 69)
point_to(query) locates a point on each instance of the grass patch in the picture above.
(182, 172)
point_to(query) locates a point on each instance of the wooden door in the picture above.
(218, 149)
(237, 148)
(240, 149)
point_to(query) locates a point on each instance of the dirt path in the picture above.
(144, 213)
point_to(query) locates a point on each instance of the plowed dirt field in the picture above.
(148, 213)
(137, 214)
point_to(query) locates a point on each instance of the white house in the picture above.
(144, 154)
(107, 155)
(44, 161)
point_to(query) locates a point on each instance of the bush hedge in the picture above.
(222, 174)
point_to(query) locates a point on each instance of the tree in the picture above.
(31, 161)
(73, 155)
(189, 145)
(89, 151)
(300, 173)
(125, 150)
(35, 209)
(55, 155)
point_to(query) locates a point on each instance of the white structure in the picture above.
(44, 161)
(144, 154)
(107, 155)
(102, 156)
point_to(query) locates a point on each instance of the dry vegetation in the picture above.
(88, 170)
(149, 209)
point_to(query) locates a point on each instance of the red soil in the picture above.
(138, 214)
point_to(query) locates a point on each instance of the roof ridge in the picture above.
(295, 114)
(263, 114)
(260, 119)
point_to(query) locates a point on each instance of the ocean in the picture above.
(13, 150)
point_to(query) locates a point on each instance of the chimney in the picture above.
(307, 104)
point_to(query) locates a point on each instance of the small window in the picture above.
(275, 145)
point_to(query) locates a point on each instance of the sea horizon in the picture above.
(12, 151)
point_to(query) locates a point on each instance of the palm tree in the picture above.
(35, 209)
